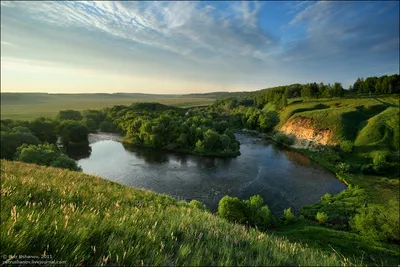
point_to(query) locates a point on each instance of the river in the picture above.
(284, 178)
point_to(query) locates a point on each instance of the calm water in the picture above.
(283, 178)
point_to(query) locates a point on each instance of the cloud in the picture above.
(224, 43)
(178, 27)
(345, 34)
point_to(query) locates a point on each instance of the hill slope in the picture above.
(85, 220)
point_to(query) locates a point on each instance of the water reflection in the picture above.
(282, 177)
(297, 157)
(78, 151)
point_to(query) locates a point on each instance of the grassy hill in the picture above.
(345, 116)
(85, 220)
(26, 106)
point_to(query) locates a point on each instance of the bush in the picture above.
(379, 161)
(46, 155)
(197, 205)
(65, 162)
(289, 215)
(231, 209)
(266, 217)
(11, 141)
(108, 126)
(347, 146)
(250, 211)
(343, 167)
(283, 139)
(378, 222)
(321, 217)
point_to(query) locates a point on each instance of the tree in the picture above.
(231, 209)
(46, 155)
(210, 140)
(378, 222)
(69, 115)
(283, 101)
(44, 129)
(42, 154)
(11, 141)
(72, 132)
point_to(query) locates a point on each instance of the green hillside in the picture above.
(85, 220)
(346, 117)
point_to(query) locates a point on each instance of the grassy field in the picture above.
(26, 106)
(369, 122)
(85, 220)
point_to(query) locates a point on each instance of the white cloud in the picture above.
(178, 27)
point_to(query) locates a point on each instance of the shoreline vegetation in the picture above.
(352, 133)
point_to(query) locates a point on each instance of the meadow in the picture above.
(86, 220)
(27, 106)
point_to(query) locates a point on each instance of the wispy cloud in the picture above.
(179, 27)
(220, 43)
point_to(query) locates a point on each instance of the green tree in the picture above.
(46, 155)
(72, 132)
(378, 222)
(69, 115)
(231, 209)
(44, 129)
(11, 141)
(321, 217)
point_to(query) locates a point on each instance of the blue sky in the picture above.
(187, 47)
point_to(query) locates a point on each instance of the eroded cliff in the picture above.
(306, 134)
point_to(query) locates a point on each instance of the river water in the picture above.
(284, 178)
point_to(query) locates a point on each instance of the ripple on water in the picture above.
(282, 177)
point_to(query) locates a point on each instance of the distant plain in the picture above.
(27, 106)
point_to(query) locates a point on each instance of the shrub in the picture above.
(65, 162)
(11, 141)
(378, 222)
(197, 205)
(231, 209)
(250, 211)
(321, 217)
(343, 167)
(379, 161)
(289, 215)
(347, 146)
(284, 139)
(367, 168)
(46, 155)
(108, 126)
(266, 217)
(253, 208)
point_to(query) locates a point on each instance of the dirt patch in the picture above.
(306, 135)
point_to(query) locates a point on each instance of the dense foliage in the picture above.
(378, 85)
(156, 126)
(252, 211)
(47, 155)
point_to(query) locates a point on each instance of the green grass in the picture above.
(26, 106)
(85, 220)
(346, 244)
(376, 132)
(345, 117)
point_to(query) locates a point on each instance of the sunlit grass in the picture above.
(86, 220)
(49, 106)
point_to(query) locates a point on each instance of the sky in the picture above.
(193, 47)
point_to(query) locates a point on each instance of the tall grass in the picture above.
(85, 220)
